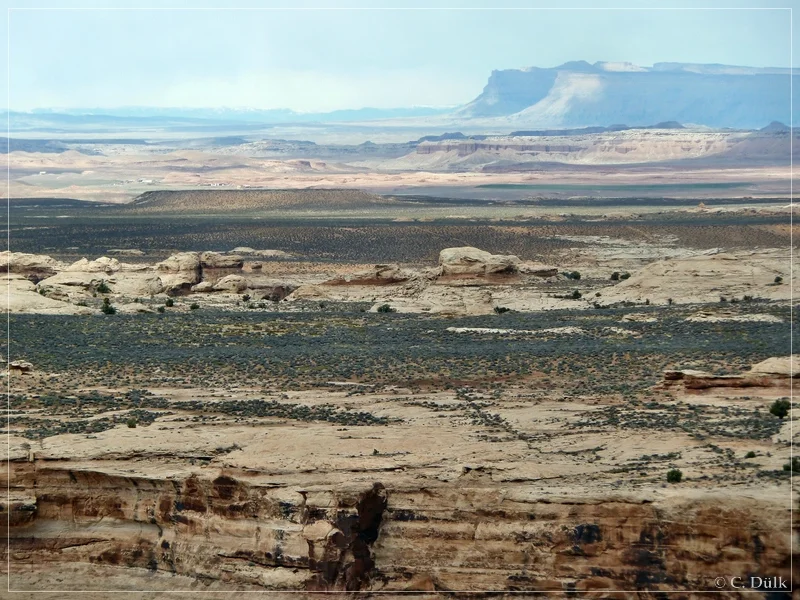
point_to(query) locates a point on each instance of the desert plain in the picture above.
(513, 364)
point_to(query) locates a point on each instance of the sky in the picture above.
(324, 59)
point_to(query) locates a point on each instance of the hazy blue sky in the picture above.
(315, 60)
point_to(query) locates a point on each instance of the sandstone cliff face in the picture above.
(238, 529)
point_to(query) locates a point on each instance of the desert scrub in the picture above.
(780, 408)
(273, 408)
(107, 308)
(674, 476)
(302, 350)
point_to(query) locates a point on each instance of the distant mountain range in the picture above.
(579, 94)
(177, 117)
(571, 96)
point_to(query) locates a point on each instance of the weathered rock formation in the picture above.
(180, 272)
(33, 267)
(378, 275)
(773, 372)
(239, 529)
(707, 278)
(469, 261)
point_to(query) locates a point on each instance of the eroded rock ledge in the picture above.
(241, 529)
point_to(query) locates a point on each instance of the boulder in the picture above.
(782, 366)
(103, 264)
(203, 286)
(311, 292)
(33, 267)
(131, 308)
(538, 269)
(182, 262)
(179, 272)
(231, 283)
(378, 275)
(21, 366)
(215, 260)
(472, 261)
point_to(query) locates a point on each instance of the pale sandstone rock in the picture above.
(23, 297)
(231, 283)
(33, 266)
(378, 275)
(132, 308)
(537, 269)
(103, 264)
(785, 366)
(706, 278)
(215, 260)
(203, 286)
(472, 261)
(180, 271)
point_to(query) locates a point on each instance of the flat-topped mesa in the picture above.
(773, 372)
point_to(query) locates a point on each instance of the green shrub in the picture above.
(161, 309)
(107, 309)
(170, 302)
(576, 295)
(615, 276)
(246, 297)
(674, 476)
(750, 454)
(794, 466)
(780, 408)
(385, 308)
(501, 309)
(194, 306)
(625, 276)
(778, 279)
(132, 423)
(102, 287)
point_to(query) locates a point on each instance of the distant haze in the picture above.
(326, 60)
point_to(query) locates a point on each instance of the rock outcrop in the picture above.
(469, 261)
(215, 260)
(180, 272)
(773, 372)
(378, 275)
(103, 264)
(782, 366)
(33, 267)
(230, 527)
(707, 278)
